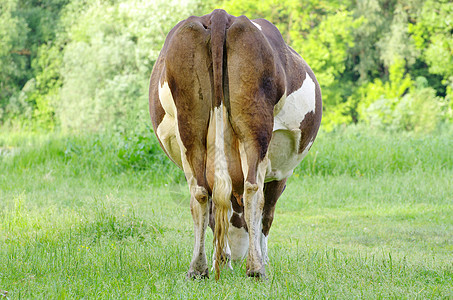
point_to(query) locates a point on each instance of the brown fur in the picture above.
(272, 191)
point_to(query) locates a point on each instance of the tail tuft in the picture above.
(221, 192)
(222, 189)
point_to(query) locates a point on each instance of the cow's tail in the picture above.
(221, 193)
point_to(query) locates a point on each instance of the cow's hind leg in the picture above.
(253, 207)
(254, 88)
(188, 77)
(199, 266)
(254, 162)
(272, 191)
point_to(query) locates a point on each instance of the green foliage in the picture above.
(395, 44)
(327, 45)
(365, 56)
(43, 97)
(25, 97)
(141, 151)
(419, 111)
(108, 60)
(401, 104)
(81, 65)
(326, 49)
(13, 31)
(398, 84)
(432, 34)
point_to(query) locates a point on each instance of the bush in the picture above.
(418, 111)
(141, 151)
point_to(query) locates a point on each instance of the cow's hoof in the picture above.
(197, 274)
(260, 274)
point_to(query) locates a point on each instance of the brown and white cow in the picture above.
(237, 109)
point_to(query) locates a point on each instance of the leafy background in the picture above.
(90, 207)
(79, 65)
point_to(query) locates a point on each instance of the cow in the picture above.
(237, 110)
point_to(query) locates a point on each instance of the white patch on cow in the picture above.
(239, 242)
(278, 107)
(166, 131)
(257, 25)
(264, 248)
(166, 99)
(244, 165)
(284, 146)
(261, 174)
(297, 105)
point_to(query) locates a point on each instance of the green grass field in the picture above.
(366, 215)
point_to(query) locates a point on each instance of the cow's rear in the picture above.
(216, 89)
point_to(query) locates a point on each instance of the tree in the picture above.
(13, 31)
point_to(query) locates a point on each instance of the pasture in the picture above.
(366, 215)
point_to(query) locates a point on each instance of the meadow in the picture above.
(368, 214)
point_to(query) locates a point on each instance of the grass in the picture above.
(367, 215)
